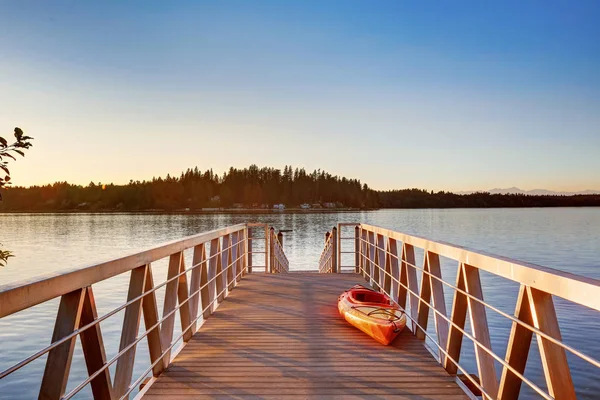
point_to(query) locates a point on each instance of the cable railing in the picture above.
(386, 259)
(193, 292)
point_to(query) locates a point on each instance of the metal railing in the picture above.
(386, 259)
(194, 291)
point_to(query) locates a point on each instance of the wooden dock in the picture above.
(250, 328)
(281, 336)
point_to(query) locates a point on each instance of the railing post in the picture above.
(334, 252)
(356, 251)
(249, 249)
(339, 247)
(271, 249)
(58, 364)
(267, 250)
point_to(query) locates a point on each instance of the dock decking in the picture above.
(280, 336)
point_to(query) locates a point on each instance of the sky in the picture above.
(440, 95)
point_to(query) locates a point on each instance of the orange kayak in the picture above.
(372, 312)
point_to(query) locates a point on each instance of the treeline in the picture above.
(251, 187)
(417, 198)
(255, 187)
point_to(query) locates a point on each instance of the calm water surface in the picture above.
(567, 239)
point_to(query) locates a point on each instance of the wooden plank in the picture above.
(27, 293)
(394, 270)
(168, 324)
(93, 348)
(267, 247)
(578, 289)
(402, 287)
(213, 264)
(554, 358)
(387, 276)
(249, 245)
(282, 350)
(58, 363)
(198, 263)
(233, 255)
(222, 263)
(517, 349)
(424, 297)
(150, 311)
(479, 326)
(131, 326)
(182, 295)
(241, 251)
(356, 250)
(439, 302)
(365, 265)
(458, 318)
(408, 261)
(204, 285)
(380, 257)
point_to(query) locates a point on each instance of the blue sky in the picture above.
(448, 95)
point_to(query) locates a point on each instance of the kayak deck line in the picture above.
(281, 336)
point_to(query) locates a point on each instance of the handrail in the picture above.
(387, 260)
(327, 260)
(18, 296)
(193, 292)
(279, 261)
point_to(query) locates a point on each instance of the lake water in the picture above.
(567, 239)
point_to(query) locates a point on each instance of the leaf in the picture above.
(3, 141)
(19, 152)
(18, 133)
(4, 169)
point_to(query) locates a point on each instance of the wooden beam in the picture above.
(439, 302)
(58, 363)
(168, 324)
(131, 326)
(575, 288)
(233, 254)
(517, 350)
(394, 270)
(458, 318)
(408, 257)
(424, 297)
(204, 285)
(185, 314)
(197, 263)
(222, 261)
(554, 358)
(93, 348)
(364, 259)
(150, 311)
(402, 287)
(480, 329)
(213, 268)
(27, 293)
(240, 269)
(380, 257)
(249, 255)
(356, 250)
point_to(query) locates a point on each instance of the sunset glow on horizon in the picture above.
(452, 96)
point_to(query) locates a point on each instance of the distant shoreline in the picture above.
(269, 211)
